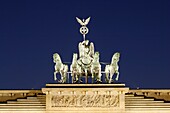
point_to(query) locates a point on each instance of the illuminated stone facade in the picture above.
(81, 98)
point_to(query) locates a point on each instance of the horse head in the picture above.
(115, 57)
(56, 58)
(74, 57)
(96, 56)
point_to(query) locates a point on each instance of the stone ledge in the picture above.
(85, 85)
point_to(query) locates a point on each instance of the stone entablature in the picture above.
(14, 94)
(84, 99)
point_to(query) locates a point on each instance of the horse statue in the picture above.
(75, 69)
(113, 68)
(59, 68)
(96, 68)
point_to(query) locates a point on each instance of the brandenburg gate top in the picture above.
(85, 63)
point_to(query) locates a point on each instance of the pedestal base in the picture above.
(85, 97)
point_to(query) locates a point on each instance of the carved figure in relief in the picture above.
(59, 68)
(114, 100)
(95, 100)
(113, 68)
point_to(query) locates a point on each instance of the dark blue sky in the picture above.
(31, 31)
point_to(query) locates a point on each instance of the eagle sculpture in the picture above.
(83, 22)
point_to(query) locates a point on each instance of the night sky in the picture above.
(31, 31)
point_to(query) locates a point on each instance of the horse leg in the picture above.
(80, 78)
(99, 77)
(86, 74)
(65, 77)
(72, 76)
(93, 77)
(107, 73)
(77, 78)
(55, 78)
(117, 77)
(110, 80)
(93, 74)
(111, 75)
(107, 77)
(62, 77)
